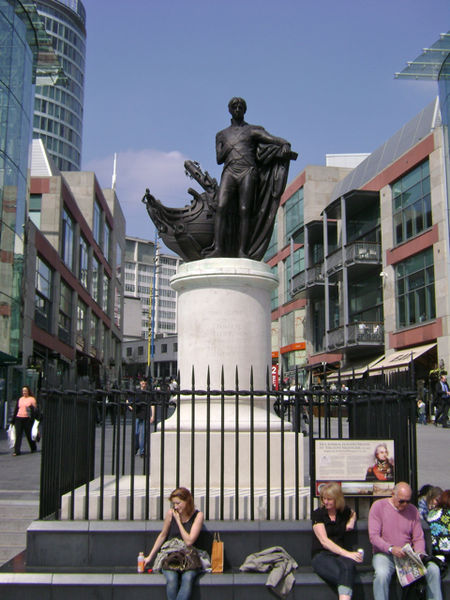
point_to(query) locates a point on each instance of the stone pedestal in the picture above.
(224, 321)
(271, 452)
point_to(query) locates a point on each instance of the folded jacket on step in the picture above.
(278, 563)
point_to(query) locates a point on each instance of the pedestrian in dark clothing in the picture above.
(442, 402)
(143, 411)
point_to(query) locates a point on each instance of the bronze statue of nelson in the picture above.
(247, 153)
(236, 218)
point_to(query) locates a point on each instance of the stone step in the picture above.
(112, 544)
(236, 586)
(8, 552)
(155, 499)
(16, 539)
(28, 512)
(15, 526)
(13, 530)
(120, 586)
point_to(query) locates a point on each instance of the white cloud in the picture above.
(162, 172)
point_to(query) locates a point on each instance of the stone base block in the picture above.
(230, 511)
(259, 464)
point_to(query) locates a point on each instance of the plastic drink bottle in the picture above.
(140, 562)
(361, 551)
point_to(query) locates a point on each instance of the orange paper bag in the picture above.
(217, 555)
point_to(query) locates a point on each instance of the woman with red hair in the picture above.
(180, 531)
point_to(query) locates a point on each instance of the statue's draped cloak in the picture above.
(273, 170)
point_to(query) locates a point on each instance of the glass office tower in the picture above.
(26, 56)
(16, 64)
(58, 110)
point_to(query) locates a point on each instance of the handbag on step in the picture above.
(217, 554)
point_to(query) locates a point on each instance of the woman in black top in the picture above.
(182, 521)
(330, 559)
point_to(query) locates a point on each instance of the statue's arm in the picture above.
(221, 151)
(264, 137)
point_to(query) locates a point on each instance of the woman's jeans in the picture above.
(335, 569)
(179, 585)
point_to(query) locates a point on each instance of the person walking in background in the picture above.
(142, 410)
(421, 411)
(442, 402)
(23, 417)
(331, 560)
(394, 522)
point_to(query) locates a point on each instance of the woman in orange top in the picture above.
(23, 419)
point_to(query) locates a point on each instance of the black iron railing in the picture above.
(89, 449)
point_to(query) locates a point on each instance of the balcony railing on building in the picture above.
(365, 333)
(361, 334)
(334, 261)
(336, 338)
(314, 276)
(363, 252)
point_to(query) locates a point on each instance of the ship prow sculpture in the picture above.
(188, 231)
(236, 218)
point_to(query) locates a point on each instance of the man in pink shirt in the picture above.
(394, 522)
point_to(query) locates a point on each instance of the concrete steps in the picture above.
(139, 494)
(230, 586)
(18, 509)
(95, 560)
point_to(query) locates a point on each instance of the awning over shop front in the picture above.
(401, 359)
(355, 371)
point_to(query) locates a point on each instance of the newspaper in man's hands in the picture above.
(410, 568)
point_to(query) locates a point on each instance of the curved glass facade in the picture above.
(16, 68)
(58, 110)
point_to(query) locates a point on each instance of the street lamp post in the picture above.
(151, 320)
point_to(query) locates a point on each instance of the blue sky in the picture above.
(159, 76)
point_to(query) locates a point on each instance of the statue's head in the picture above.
(238, 105)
